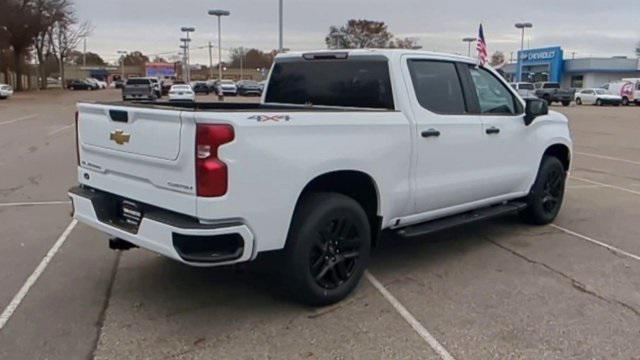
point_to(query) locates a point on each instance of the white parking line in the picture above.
(607, 157)
(583, 186)
(19, 119)
(406, 315)
(35, 203)
(17, 300)
(60, 129)
(606, 185)
(599, 243)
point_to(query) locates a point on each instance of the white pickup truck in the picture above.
(343, 146)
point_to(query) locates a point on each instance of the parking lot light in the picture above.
(469, 40)
(522, 26)
(186, 41)
(219, 13)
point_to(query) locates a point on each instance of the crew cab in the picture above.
(344, 145)
(140, 89)
(552, 92)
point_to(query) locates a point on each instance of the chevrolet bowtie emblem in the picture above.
(120, 137)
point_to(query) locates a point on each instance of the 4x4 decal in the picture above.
(265, 118)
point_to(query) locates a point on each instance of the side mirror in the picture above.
(533, 109)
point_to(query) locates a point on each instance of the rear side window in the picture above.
(138, 82)
(437, 86)
(352, 83)
(552, 86)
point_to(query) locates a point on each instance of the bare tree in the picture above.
(406, 43)
(52, 12)
(64, 37)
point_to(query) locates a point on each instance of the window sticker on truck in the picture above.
(265, 118)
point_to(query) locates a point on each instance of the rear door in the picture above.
(447, 136)
(145, 154)
(504, 162)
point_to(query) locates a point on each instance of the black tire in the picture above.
(566, 103)
(578, 101)
(545, 198)
(547, 98)
(598, 102)
(625, 101)
(327, 248)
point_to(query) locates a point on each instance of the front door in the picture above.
(505, 161)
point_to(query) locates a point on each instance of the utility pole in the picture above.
(84, 52)
(241, 63)
(186, 41)
(123, 54)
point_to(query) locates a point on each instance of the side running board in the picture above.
(460, 219)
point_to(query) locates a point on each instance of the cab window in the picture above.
(437, 86)
(493, 96)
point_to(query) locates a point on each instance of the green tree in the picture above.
(359, 34)
(250, 58)
(134, 58)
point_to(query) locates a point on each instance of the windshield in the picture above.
(354, 83)
(138, 82)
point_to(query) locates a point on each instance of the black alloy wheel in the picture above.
(327, 248)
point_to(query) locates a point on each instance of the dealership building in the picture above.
(549, 64)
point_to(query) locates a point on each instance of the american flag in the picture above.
(483, 56)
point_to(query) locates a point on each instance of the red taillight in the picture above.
(77, 141)
(211, 172)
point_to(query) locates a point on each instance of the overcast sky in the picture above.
(587, 27)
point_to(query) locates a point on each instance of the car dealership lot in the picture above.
(497, 289)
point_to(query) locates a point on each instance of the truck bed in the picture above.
(233, 106)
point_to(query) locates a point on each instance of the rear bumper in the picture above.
(163, 231)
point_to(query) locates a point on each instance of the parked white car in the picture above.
(597, 97)
(525, 89)
(97, 83)
(320, 167)
(227, 87)
(182, 92)
(5, 91)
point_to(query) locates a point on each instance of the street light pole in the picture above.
(469, 40)
(219, 14)
(280, 26)
(523, 26)
(210, 60)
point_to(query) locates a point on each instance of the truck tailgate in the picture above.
(139, 153)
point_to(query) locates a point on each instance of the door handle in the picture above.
(492, 130)
(430, 133)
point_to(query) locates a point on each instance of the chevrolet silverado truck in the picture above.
(342, 146)
(552, 92)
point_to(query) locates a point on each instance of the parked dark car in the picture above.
(249, 87)
(201, 87)
(80, 85)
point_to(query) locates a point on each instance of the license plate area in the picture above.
(130, 213)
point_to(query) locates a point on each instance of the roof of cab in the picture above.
(390, 53)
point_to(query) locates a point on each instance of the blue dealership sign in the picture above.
(552, 57)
